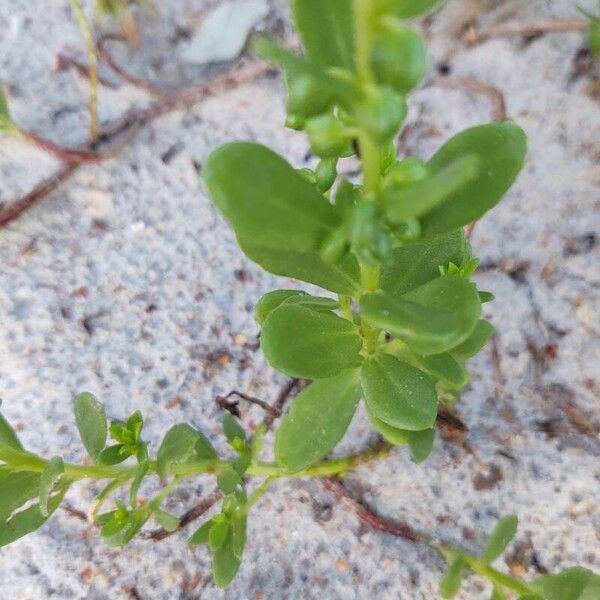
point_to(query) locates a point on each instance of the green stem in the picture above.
(498, 577)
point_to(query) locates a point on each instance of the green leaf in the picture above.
(501, 149)
(228, 480)
(28, 520)
(482, 333)
(218, 533)
(455, 294)
(16, 488)
(268, 201)
(180, 445)
(8, 437)
(326, 28)
(406, 9)
(444, 367)
(49, 479)
(415, 264)
(225, 564)
(238, 528)
(450, 584)
(306, 343)
(569, 584)
(592, 588)
(317, 420)
(399, 394)
(232, 429)
(114, 455)
(125, 531)
(269, 302)
(166, 520)
(404, 202)
(91, 422)
(393, 435)
(421, 444)
(341, 277)
(424, 328)
(7, 124)
(502, 534)
(497, 594)
(200, 536)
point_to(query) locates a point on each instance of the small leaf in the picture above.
(444, 367)
(135, 424)
(569, 584)
(268, 201)
(180, 445)
(269, 302)
(8, 437)
(341, 277)
(399, 394)
(232, 429)
(306, 343)
(218, 533)
(406, 9)
(114, 455)
(504, 531)
(49, 478)
(413, 265)
(28, 520)
(404, 202)
(326, 28)
(421, 444)
(133, 523)
(91, 422)
(318, 419)
(238, 535)
(228, 480)
(421, 327)
(452, 293)
(393, 435)
(16, 488)
(167, 521)
(450, 585)
(482, 333)
(592, 588)
(225, 564)
(501, 149)
(7, 125)
(200, 536)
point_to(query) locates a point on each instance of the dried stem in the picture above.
(475, 36)
(88, 36)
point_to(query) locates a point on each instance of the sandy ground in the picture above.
(127, 283)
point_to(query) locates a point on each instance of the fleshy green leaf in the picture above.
(238, 535)
(91, 422)
(326, 28)
(267, 201)
(228, 480)
(7, 125)
(569, 584)
(225, 563)
(181, 444)
(28, 520)
(482, 333)
(399, 394)
(455, 294)
(415, 264)
(502, 534)
(306, 343)
(592, 588)
(8, 437)
(16, 488)
(200, 536)
(501, 149)
(269, 302)
(49, 478)
(450, 585)
(341, 277)
(497, 594)
(421, 444)
(424, 328)
(393, 435)
(317, 421)
(232, 429)
(444, 367)
(166, 520)
(403, 202)
(126, 530)
(218, 533)
(407, 9)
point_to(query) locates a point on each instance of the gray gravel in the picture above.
(127, 283)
